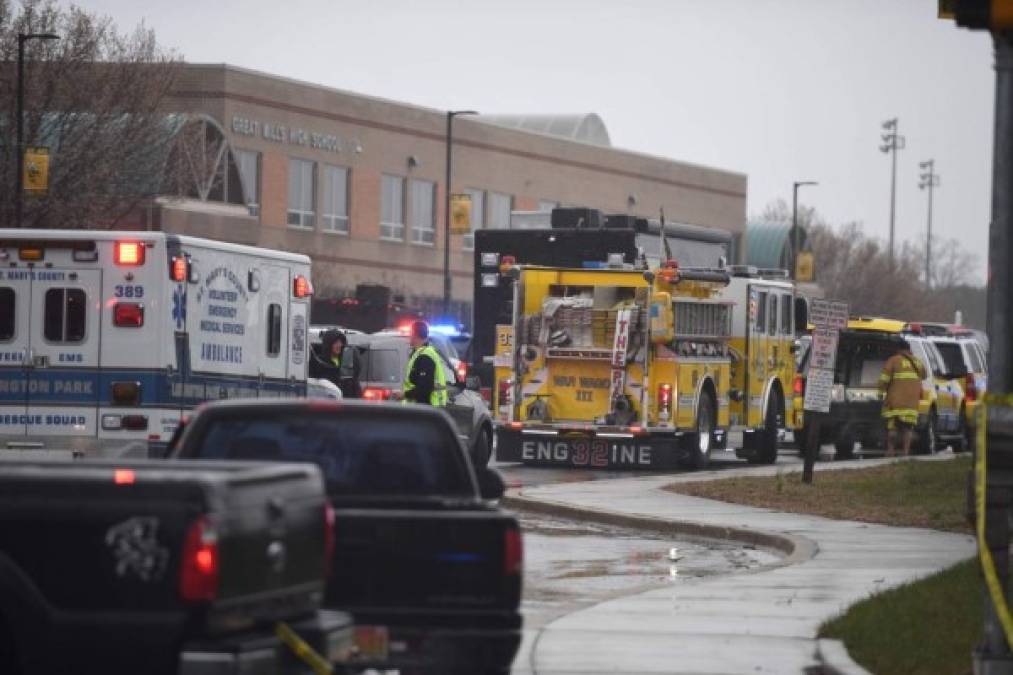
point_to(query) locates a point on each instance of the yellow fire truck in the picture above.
(763, 360)
(614, 367)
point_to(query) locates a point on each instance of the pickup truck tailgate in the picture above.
(423, 560)
(101, 536)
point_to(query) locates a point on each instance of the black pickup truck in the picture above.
(428, 567)
(162, 568)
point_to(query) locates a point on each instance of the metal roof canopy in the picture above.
(584, 127)
(769, 245)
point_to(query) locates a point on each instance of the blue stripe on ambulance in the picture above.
(93, 387)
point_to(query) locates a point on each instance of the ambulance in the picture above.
(107, 338)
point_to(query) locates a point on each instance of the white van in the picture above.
(106, 338)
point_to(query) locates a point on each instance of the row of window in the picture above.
(405, 203)
(766, 314)
(63, 315)
(65, 318)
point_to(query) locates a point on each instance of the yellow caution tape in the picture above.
(984, 555)
(303, 651)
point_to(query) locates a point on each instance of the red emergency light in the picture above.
(178, 271)
(128, 253)
(301, 287)
(128, 315)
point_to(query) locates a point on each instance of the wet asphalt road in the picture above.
(571, 564)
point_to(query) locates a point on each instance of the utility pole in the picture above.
(451, 114)
(20, 144)
(928, 179)
(994, 486)
(795, 240)
(892, 142)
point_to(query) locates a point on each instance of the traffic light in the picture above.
(994, 15)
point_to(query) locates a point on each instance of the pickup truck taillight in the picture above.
(376, 393)
(970, 388)
(198, 573)
(330, 537)
(513, 552)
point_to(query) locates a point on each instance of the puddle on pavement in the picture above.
(570, 563)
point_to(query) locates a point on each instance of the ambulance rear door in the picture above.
(15, 300)
(63, 354)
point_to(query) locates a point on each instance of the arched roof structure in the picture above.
(583, 127)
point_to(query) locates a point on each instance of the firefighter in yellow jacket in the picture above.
(901, 381)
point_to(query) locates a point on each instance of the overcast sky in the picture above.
(781, 90)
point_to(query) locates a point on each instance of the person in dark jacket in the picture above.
(338, 363)
(424, 380)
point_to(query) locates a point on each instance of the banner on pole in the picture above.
(36, 174)
(460, 214)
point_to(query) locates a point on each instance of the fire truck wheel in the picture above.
(700, 453)
(766, 453)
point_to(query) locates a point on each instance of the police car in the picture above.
(106, 338)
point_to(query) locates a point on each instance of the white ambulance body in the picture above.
(107, 338)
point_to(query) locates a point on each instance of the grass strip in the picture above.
(927, 627)
(903, 494)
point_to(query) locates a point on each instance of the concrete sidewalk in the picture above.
(763, 621)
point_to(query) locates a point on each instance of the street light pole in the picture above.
(19, 145)
(795, 242)
(451, 114)
(928, 179)
(892, 142)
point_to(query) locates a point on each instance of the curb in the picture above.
(795, 549)
(835, 660)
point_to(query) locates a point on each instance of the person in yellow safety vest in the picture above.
(424, 380)
(901, 380)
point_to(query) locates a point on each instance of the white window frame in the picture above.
(307, 217)
(332, 221)
(423, 220)
(477, 217)
(491, 198)
(391, 230)
(252, 200)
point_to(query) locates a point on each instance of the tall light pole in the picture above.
(928, 179)
(892, 142)
(19, 146)
(795, 243)
(451, 114)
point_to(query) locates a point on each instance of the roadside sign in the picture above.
(829, 314)
(828, 318)
(818, 385)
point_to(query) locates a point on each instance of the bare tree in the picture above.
(94, 98)
(854, 267)
(952, 264)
